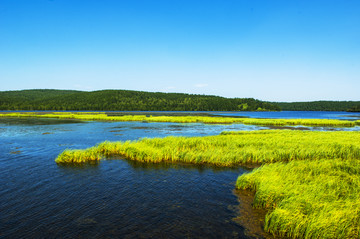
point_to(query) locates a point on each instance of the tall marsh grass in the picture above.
(69, 156)
(186, 119)
(308, 199)
(245, 147)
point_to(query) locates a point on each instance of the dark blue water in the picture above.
(115, 198)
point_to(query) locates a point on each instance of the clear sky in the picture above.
(270, 50)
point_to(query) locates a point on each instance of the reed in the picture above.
(308, 199)
(304, 122)
(232, 148)
(188, 119)
(69, 156)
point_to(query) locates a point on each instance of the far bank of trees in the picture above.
(124, 100)
(354, 109)
(319, 105)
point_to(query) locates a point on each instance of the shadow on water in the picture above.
(77, 167)
(252, 219)
(188, 166)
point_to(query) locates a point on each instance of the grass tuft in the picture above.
(308, 199)
(70, 156)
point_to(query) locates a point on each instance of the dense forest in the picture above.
(319, 106)
(354, 109)
(124, 100)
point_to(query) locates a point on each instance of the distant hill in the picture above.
(124, 100)
(318, 105)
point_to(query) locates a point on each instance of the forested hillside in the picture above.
(124, 100)
(318, 105)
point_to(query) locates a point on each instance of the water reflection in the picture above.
(76, 167)
(252, 219)
(188, 166)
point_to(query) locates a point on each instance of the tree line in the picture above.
(319, 106)
(125, 100)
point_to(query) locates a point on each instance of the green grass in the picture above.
(308, 199)
(187, 119)
(246, 147)
(89, 155)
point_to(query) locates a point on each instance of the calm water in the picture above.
(116, 198)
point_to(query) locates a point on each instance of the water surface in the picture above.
(115, 198)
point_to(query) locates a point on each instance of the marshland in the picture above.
(188, 119)
(179, 119)
(84, 174)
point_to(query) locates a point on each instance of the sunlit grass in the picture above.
(308, 199)
(246, 147)
(78, 156)
(187, 119)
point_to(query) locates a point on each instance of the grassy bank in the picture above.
(308, 199)
(188, 119)
(246, 147)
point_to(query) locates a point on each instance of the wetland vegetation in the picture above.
(229, 148)
(186, 119)
(308, 198)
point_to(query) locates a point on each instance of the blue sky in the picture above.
(270, 50)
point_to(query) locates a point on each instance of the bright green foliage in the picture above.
(186, 119)
(79, 156)
(263, 146)
(305, 122)
(308, 199)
